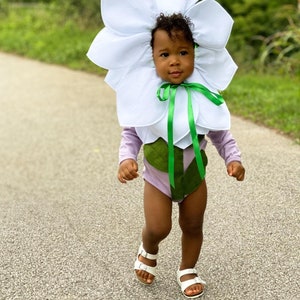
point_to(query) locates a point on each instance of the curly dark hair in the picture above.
(171, 23)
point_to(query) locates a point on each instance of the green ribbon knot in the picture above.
(167, 91)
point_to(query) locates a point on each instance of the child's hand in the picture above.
(236, 169)
(128, 170)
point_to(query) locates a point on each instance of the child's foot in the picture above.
(194, 289)
(192, 286)
(142, 275)
(144, 266)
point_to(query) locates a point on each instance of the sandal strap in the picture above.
(145, 254)
(180, 273)
(138, 265)
(187, 283)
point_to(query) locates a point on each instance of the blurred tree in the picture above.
(256, 20)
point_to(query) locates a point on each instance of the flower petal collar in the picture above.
(123, 48)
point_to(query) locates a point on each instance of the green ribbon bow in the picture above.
(168, 91)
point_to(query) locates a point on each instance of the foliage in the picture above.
(269, 100)
(3, 7)
(40, 32)
(282, 50)
(257, 18)
(86, 13)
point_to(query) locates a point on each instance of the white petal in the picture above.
(180, 121)
(173, 6)
(212, 24)
(211, 116)
(109, 50)
(114, 77)
(128, 17)
(217, 67)
(137, 103)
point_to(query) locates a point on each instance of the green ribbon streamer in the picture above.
(167, 91)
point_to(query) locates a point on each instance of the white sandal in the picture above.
(185, 284)
(138, 265)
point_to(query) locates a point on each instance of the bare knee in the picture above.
(191, 227)
(157, 232)
(158, 212)
(191, 211)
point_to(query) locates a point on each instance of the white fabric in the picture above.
(123, 47)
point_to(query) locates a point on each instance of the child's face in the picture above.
(173, 57)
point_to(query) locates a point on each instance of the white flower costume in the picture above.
(156, 109)
(123, 47)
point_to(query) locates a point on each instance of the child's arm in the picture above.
(228, 150)
(129, 148)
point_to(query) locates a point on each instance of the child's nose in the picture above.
(174, 61)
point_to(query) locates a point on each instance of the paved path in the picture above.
(69, 230)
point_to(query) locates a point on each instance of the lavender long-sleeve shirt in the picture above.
(223, 141)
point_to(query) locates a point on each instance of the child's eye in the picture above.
(164, 54)
(184, 52)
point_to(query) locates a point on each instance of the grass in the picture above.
(40, 32)
(269, 100)
(44, 33)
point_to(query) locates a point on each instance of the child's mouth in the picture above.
(175, 74)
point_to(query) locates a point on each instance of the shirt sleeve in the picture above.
(130, 144)
(225, 145)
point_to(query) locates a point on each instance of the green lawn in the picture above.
(42, 33)
(270, 100)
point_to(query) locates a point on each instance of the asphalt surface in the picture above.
(70, 230)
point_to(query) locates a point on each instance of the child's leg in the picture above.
(191, 213)
(158, 223)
